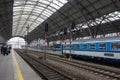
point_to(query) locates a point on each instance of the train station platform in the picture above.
(13, 67)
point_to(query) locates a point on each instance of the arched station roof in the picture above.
(32, 13)
(94, 17)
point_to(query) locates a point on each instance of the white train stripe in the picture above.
(111, 55)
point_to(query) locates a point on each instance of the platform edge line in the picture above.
(18, 68)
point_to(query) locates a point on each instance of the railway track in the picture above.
(46, 71)
(96, 69)
(112, 74)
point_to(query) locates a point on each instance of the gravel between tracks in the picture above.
(84, 74)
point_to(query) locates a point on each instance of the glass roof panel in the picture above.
(108, 18)
(45, 1)
(42, 5)
(31, 2)
(53, 9)
(55, 6)
(32, 13)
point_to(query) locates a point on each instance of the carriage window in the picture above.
(84, 46)
(64, 46)
(68, 46)
(115, 46)
(92, 46)
(71, 46)
(78, 46)
(102, 46)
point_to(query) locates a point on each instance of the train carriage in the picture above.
(108, 50)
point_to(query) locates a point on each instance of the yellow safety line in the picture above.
(18, 68)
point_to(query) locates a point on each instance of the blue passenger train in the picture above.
(107, 50)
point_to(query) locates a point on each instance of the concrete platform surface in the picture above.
(6, 67)
(13, 67)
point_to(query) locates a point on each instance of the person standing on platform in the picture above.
(9, 49)
(5, 51)
(2, 47)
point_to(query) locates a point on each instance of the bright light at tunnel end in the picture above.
(16, 42)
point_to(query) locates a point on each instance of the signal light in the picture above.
(72, 25)
(65, 31)
(46, 27)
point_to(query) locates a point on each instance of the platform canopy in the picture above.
(31, 13)
(6, 10)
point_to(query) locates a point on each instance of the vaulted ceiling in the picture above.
(31, 13)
